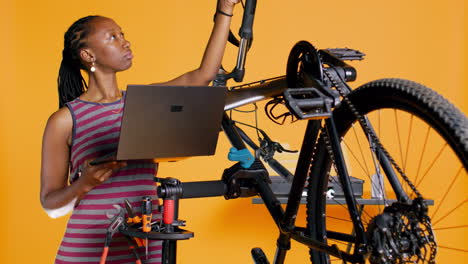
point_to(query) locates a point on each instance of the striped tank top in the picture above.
(96, 130)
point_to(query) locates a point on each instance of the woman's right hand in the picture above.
(93, 175)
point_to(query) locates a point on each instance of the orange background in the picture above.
(425, 41)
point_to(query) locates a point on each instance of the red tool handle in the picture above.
(104, 255)
(168, 214)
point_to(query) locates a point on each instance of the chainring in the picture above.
(303, 59)
(402, 234)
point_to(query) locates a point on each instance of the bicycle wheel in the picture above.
(428, 138)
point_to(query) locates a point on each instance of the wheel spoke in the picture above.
(399, 137)
(450, 212)
(365, 170)
(437, 156)
(340, 219)
(451, 227)
(344, 206)
(423, 151)
(362, 153)
(446, 192)
(355, 157)
(452, 248)
(408, 142)
(339, 242)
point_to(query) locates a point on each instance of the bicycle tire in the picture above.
(414, 108)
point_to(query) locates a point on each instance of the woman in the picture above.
(87, 126)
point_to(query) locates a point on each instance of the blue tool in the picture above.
(244, 156)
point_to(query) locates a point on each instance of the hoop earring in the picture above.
(92, 69)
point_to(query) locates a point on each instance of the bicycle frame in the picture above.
(285, 218)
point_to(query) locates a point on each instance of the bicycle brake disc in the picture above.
(402, 234)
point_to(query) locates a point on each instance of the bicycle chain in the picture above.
(327, 142)
(425, 221)
(368, 131)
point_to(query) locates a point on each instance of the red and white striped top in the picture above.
(96, 130)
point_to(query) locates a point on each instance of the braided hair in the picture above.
(71, 83)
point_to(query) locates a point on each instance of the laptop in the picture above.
(169, 123)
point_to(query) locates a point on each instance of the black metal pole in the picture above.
(283, 244)
(297, 187)
(345, 181)
(172, 244)
(300, 176)
(169, 191)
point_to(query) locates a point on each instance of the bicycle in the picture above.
(349, 163)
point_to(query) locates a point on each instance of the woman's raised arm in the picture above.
(212, 58)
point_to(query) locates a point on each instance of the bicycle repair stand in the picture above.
(237, 181)
(168, 230)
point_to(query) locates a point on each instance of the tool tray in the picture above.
(178, 234)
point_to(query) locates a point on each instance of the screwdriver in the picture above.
(146, 214)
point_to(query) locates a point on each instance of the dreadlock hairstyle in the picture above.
(71, 83)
